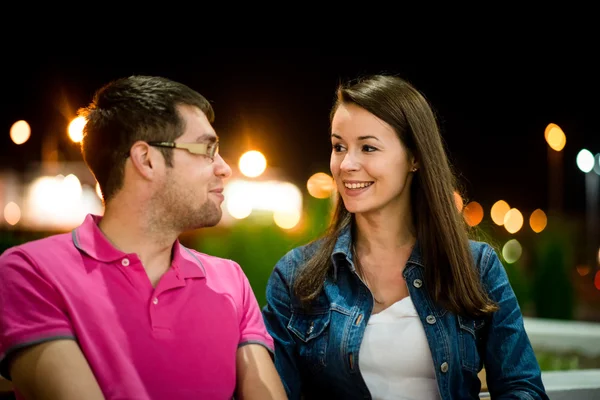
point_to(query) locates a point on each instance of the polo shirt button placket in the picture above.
(125, 262)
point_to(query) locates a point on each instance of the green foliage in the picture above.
(552, 289)
(256, 243)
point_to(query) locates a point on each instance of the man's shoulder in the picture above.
(40, 248)
(214, 264)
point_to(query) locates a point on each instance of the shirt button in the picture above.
(311, 328)
(444, 367)
(155, 300)
(430, 319)
(125, 262)
(417, 283)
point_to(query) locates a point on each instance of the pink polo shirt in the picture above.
(175, 341)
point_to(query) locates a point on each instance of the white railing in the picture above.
(578, 384)
(558, 337)
(564, 336)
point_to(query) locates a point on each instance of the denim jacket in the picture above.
(316, 350)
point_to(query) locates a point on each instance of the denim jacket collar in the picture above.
(342, 252)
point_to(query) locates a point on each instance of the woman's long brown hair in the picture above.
(450, 273)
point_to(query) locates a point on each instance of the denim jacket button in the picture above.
(444, 367)
(417, 283)
(430, 319)
(311, 328)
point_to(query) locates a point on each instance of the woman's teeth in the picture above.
(357, 185)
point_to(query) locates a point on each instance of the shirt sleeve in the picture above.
(252, 325)
(32, 310)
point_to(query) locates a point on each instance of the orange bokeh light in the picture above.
(555, 137)
(473, 213)
(458, 200)
(538, 221)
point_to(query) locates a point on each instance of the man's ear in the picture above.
(142, 160)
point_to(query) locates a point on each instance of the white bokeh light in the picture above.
(585, 160)
(252, 163)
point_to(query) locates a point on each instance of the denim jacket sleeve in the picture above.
(512, 370)
(277, 314)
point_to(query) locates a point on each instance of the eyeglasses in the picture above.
(209, 150)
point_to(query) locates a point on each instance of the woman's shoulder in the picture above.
(298, 256)
(482, 252)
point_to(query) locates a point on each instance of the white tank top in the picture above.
(394, 359)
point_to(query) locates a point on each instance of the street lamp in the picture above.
(586, 163)
(556, 140)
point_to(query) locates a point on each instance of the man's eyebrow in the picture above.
(207, 138)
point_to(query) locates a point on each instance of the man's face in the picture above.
(192, 191)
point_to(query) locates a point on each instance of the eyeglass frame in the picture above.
(209, 150)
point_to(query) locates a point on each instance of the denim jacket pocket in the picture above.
(312, 330)
(468, 343)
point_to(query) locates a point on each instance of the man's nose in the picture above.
(222, 169)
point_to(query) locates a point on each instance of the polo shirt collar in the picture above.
(89, 239)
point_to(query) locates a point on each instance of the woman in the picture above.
(395, 301)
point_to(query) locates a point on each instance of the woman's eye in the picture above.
(368, 148)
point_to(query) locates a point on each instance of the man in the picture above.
(118, 308)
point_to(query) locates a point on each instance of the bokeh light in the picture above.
(585, 160)
(320, 185)
(20, 132)
(12, 213)
(75, 129)
(473, 213)
(513, 220)
(555, 137)
(458, 200)
(583, 270)
(538, 221)
(511, 251)
(252, 163)
(498, 211)
(286, 219)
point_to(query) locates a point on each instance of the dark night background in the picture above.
(493, 109)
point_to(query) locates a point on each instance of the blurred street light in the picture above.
(320, 185)
(556, 140)
(252, 163)
(75, 129)
(555, 137)
(585, 162)
(20, 132)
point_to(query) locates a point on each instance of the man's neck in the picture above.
(130, 231)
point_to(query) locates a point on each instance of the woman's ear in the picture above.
(415, 164)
